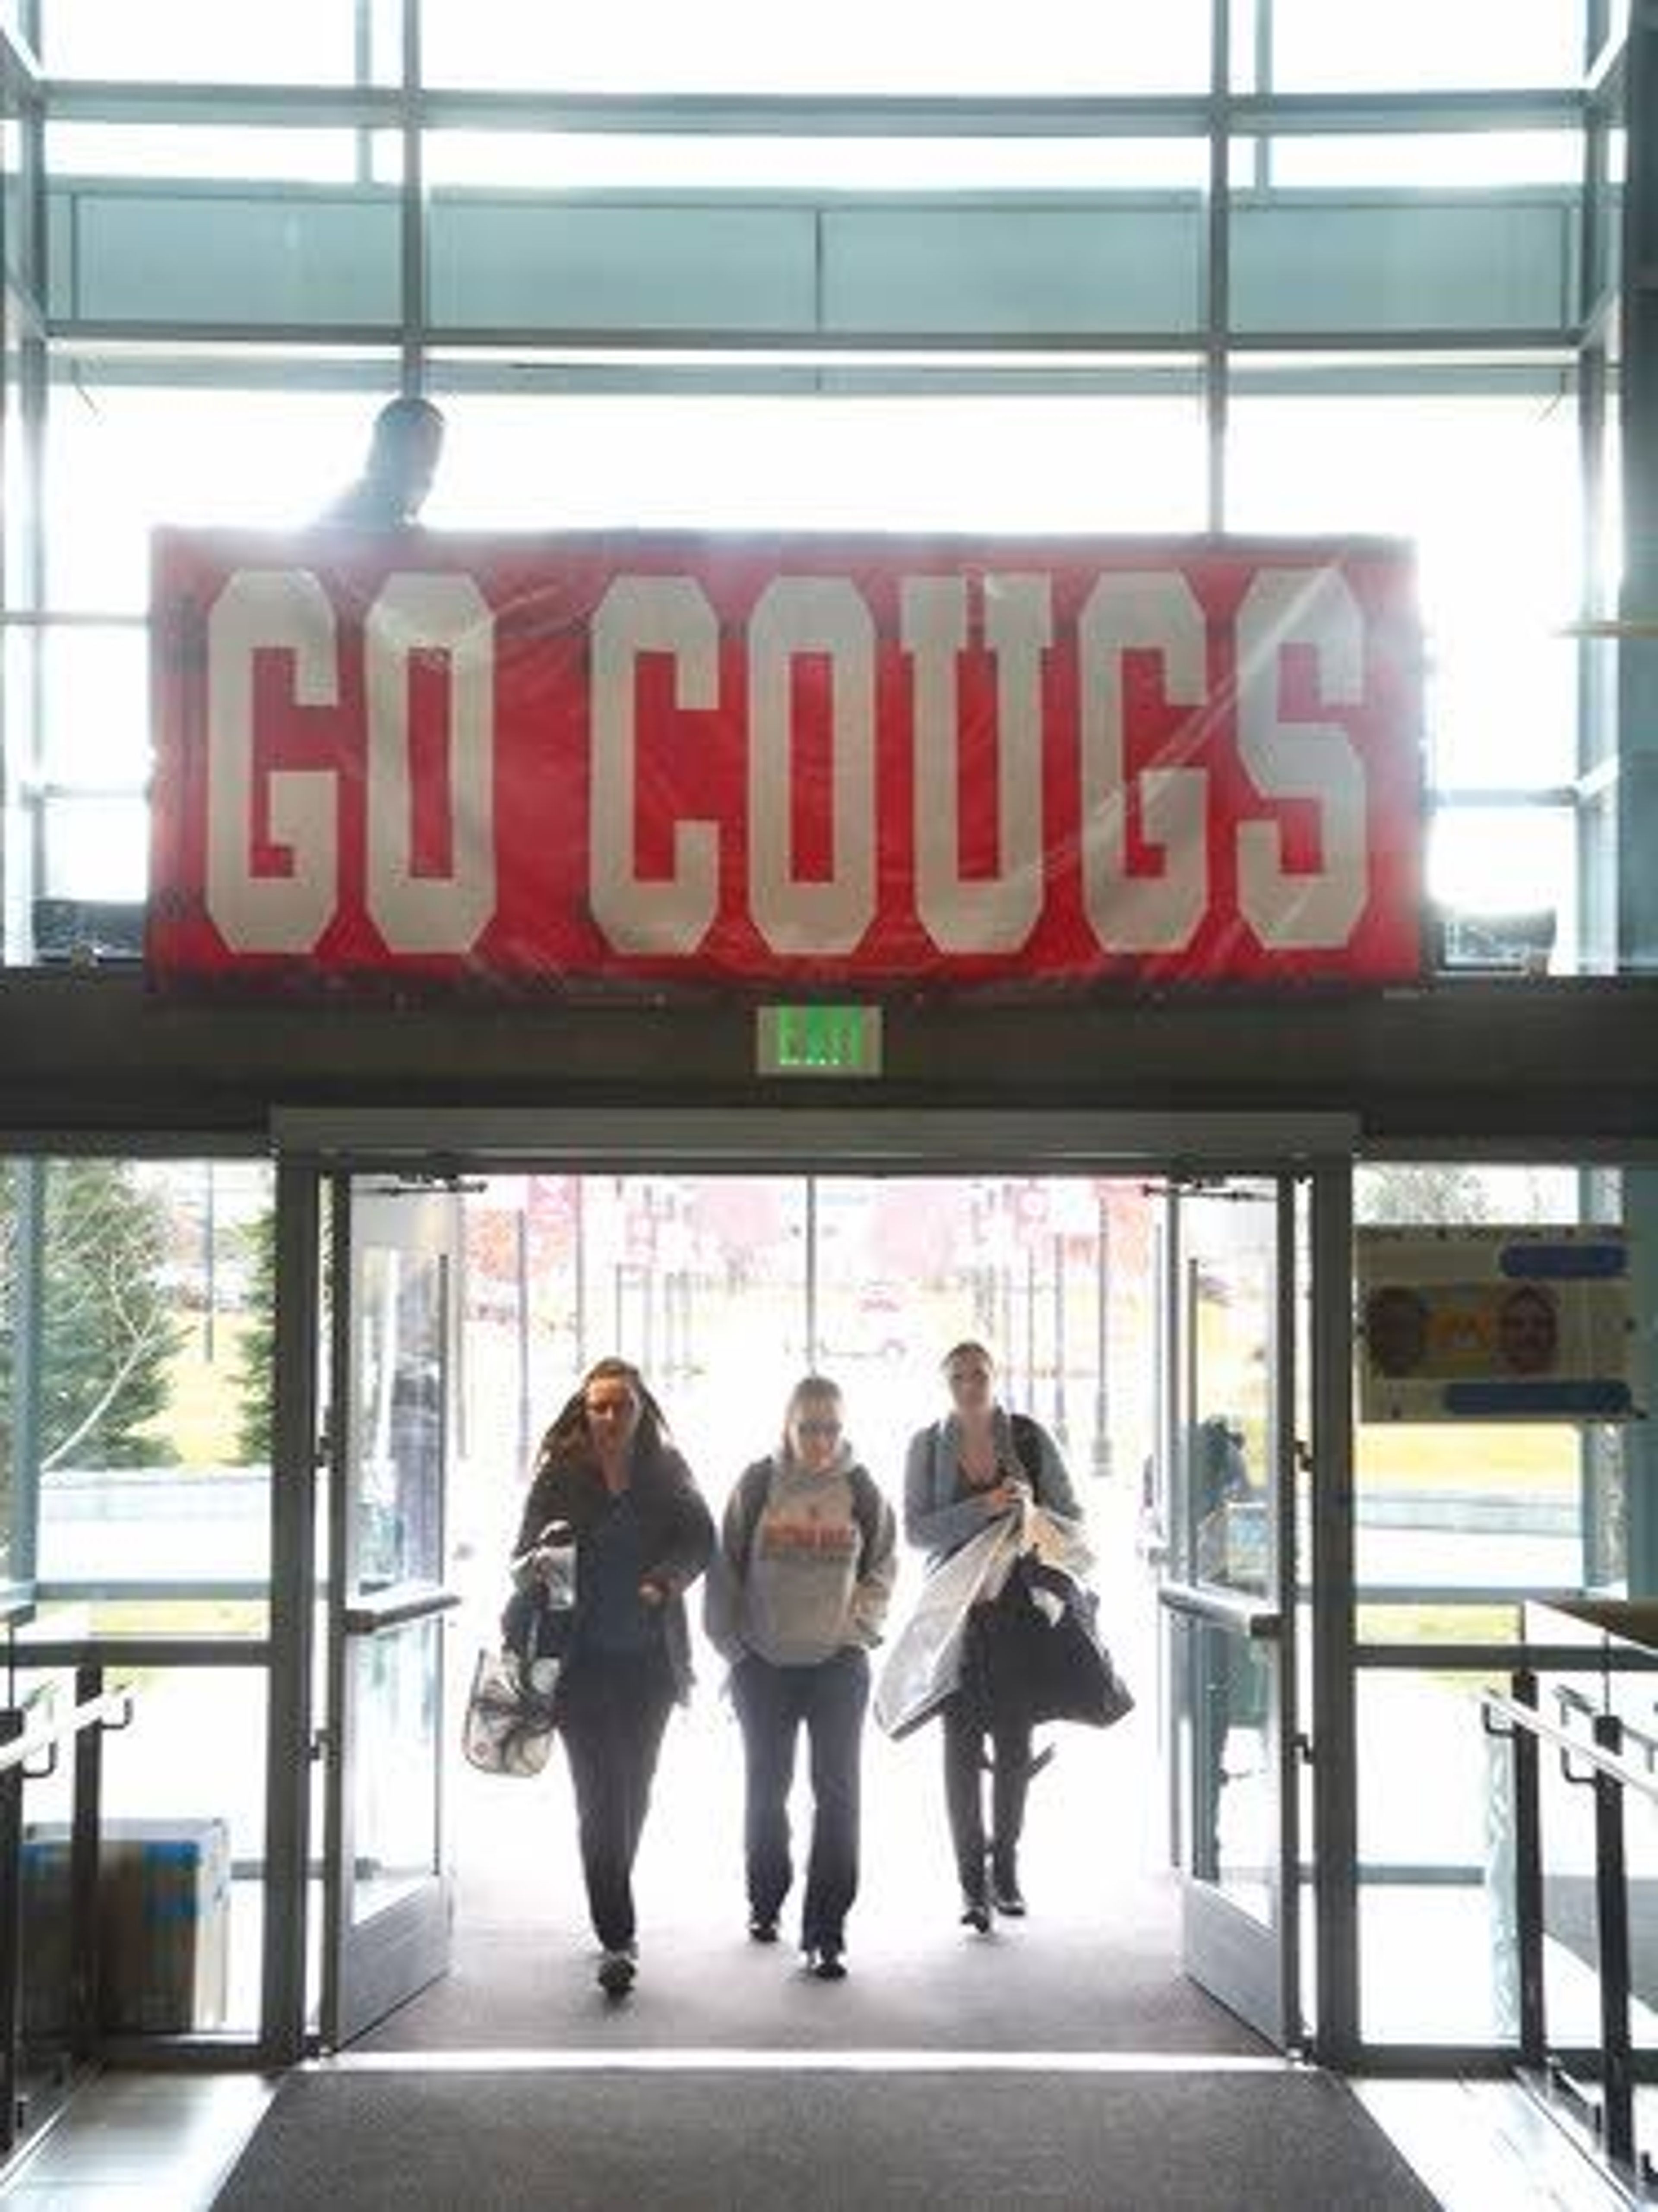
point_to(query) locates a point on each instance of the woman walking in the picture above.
(608, 1481)
(973, 1466)
(795, 1598)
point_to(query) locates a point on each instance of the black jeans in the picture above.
(612, 1713)
(771, 1703)
(964, 1748)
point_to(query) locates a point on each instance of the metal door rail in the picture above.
(1601, 1765)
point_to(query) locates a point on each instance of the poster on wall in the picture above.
(1494, 1324)
(854, 764)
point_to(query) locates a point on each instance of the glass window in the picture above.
(963, 462)
(181, 1858)
(1509, 860)
(302, 42)
(189, 454)
(96, 732)
(1066, 46)
(1433, 1879)
(135, 1389)
(95, 848)
(1500, 693)
(1419, 159)
(1420, 45)
(1455, 1519)
(587, 160)
(200, 150)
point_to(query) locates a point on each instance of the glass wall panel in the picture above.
(182, 1859)
(1436, 1961)
(135, 1396)
(95, 719)
(189, 454)
(1456, 1521)
(241, 151)
(965, 462)
(1066, 46)
(1422, 159)
(585, 161)
(1500, 690)
(1419, 45)
(94, 848)
(302, 42)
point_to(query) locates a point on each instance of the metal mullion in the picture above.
(266, 107)
(1282, 1550)
(733, 115)
(1366, 114)
(293, 1610)
(337, 1810)
(1334, 1701)
(1217, 312)
(411, 207)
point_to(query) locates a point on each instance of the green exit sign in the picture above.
(819, 1040)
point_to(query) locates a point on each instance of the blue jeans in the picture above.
(772, 1703)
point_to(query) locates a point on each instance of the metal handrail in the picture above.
(1520, 1715)
(111, 1711)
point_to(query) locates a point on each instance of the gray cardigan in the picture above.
(941, 1513)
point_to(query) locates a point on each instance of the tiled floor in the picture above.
(135, 2142)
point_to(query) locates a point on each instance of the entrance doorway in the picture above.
(724, 1288)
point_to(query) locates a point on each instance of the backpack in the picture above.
(866, 1512)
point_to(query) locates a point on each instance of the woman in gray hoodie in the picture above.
(796, 1595)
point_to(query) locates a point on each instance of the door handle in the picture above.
(1244, 1616)
(374, 1611)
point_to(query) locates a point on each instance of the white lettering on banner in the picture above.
(997, 913)
(1308, 760)
(1156, 613)
(414, 613)
(647, 613)
(271, 609)
(797, 615)
(1311, 762)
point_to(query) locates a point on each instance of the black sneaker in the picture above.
(617, 1971)
(975, 1915)
(762, 1927)
(1004, 1892)
(825, 1962)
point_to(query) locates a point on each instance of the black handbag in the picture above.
(1033, 1653)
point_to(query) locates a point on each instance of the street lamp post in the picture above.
(1103, 1336)
(1061, 1428)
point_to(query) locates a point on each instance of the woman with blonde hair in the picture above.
(975, 1465)
(796, 1595)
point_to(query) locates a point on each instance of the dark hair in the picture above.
(566, 1440)
(968, 1344)
(409, 411)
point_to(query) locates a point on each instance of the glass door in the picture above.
(1229, 1592)
(389, 1894)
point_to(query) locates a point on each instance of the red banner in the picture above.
(783, 763)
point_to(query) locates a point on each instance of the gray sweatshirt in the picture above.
(804, 1591)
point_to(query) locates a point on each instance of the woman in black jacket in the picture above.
(608, 1480)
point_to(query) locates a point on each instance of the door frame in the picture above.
(1252, 1965)
(313, 1143)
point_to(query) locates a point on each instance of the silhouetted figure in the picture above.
(403, 459)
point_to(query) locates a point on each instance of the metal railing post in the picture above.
(1529, 1877)
(1612, 1917)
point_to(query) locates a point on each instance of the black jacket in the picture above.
(675, 1529)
